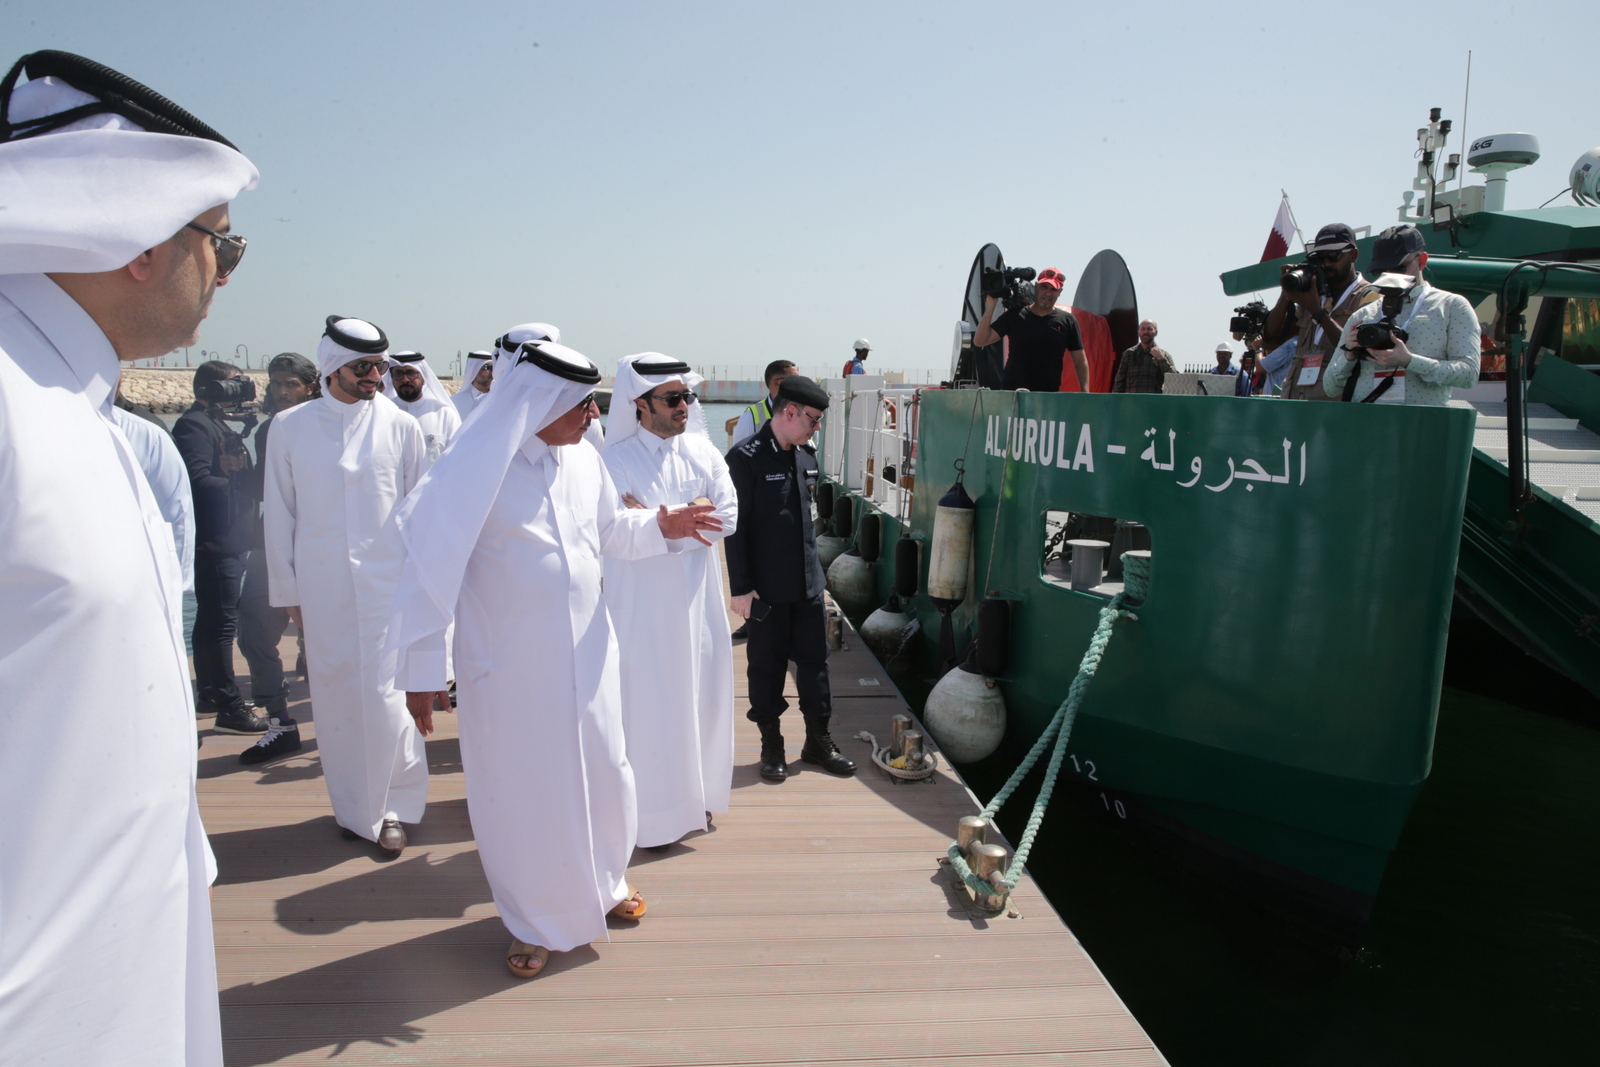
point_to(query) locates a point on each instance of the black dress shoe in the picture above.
(774, 768)
(820, 749)
(392, 836)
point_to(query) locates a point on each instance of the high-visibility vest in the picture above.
(760, 412)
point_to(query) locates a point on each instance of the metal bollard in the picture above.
(970, 831)
(835, 630)
(1088, 562)
(911, 749)
(898, 725)
(987, 861)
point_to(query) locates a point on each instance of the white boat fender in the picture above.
(830, 548)
(887, 630)
(850, 580)
(966, 714)
(949, 560)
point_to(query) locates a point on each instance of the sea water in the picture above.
(1484, 945)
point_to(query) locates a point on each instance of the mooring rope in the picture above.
(1136, 586)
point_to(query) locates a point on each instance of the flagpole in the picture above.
(1294, 220)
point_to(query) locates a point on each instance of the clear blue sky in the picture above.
(732, 183)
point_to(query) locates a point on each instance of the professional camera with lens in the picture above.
(1380, 335)
(1303, 278)
(1248, 321)
(229, 392)
(1013, 285)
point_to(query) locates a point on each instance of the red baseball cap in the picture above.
(1053, 278)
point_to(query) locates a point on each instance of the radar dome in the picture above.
(1511, 149)
(1585, 178)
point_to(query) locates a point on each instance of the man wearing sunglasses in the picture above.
(668, 611)
(337, 468)
(106, 951)
(776, 578)
(417, 391)
(1315, 315)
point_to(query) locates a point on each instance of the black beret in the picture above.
(799, 389)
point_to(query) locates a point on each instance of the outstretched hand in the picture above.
(687, 521)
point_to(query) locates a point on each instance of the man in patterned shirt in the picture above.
(1441, 350)
(1144, 367)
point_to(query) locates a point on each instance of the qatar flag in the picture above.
(1278, 239)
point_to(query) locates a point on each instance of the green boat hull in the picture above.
(1272, 710)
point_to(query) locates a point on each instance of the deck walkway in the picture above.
(811, 925)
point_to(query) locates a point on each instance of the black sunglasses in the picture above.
(672, 400)
(364, 367)
(229, 248)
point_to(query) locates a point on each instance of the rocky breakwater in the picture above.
(171, 391)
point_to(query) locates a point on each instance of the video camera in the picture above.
(1249, 321)
(1013, 285)
(235, 392)
(232, 394)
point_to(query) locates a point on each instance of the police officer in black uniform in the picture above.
(776, 579)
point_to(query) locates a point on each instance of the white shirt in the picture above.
(1444, 342)
(168, 476)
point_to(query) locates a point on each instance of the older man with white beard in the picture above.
(418, 392)
(113, 241)
(337, 469)
(672, 625)
(505, 534)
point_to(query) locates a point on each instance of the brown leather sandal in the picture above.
(621, 910)
(520, 948)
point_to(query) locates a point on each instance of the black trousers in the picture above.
(217, 580)
(261, 627)
(794, 632)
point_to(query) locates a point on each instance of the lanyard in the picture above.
(1316, 338)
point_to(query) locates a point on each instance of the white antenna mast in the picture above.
(1466, 95)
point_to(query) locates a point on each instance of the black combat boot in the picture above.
(773, 766)
(820, 749)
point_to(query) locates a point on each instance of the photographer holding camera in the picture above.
(1412, 345)
(1040, 333)
(1319, 296)
(218, 466)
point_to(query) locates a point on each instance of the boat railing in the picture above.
(869, 441)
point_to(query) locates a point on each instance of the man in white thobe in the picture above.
(113, 242)
(337, 468)
(505, 533)
(418, 392)
(476, 381)
(671, 623)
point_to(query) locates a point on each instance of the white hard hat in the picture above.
(1225, 346)
(863, 345)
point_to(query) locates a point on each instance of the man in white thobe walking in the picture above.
(337, 469)
(113, 241)
(672, 625)
(418, 392)
(505, 533)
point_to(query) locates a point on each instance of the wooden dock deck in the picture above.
(810, 926)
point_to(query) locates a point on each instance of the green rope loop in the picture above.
(1136, 585)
